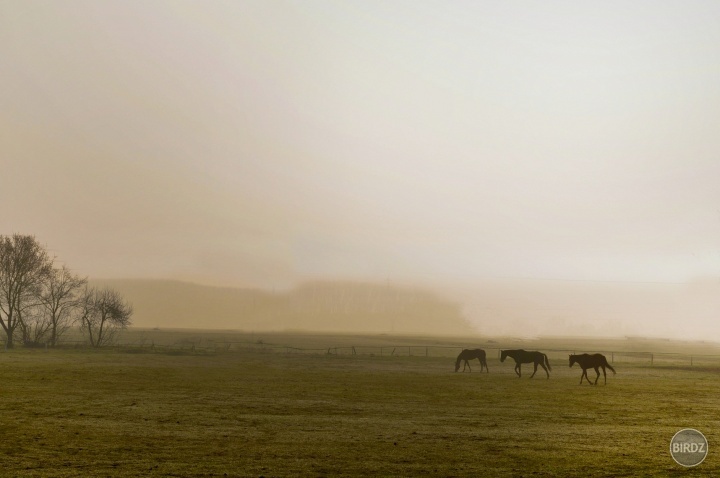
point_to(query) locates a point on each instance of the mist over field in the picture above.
(593, 309)
(417, 167)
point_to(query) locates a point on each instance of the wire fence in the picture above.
(204, 347)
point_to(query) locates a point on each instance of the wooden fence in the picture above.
(430, 351)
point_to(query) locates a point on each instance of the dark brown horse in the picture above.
(522, 356)
(595, 361)
(470, 354)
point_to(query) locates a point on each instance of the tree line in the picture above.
(40, 301)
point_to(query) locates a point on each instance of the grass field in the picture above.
(256, 412)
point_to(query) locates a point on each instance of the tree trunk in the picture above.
(9, 328)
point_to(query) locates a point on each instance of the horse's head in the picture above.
(573, 359)
(457, 365)
(503, 354)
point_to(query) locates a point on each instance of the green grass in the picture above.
(254, 412)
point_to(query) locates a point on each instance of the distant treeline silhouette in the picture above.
(328, 306)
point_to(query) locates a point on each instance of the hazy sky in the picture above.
(262, 142)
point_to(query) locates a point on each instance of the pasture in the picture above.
(254, 411)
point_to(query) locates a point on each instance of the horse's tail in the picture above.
(547, 362)
(608, 365)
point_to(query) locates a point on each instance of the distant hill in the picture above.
(493, 307)
(315, 306)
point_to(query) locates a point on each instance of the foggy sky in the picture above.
(262, 143)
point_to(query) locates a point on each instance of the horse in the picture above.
(595, 361)
(521, 356)
(470, 354)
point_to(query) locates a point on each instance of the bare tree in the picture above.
(34, 323)
(104, 314)
(60, 300)
(24, 265)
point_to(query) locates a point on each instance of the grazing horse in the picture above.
(521, 356)
(595, 361)
(468, 354)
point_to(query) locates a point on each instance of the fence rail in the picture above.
(449, 351)
(444, 351)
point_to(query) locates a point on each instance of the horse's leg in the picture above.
(582, 375)
(546, 370)
(487, 369)
(604, 374)
(597, 371)
(586, 376)
(518, 370)
(535, 370)
(467, 364)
